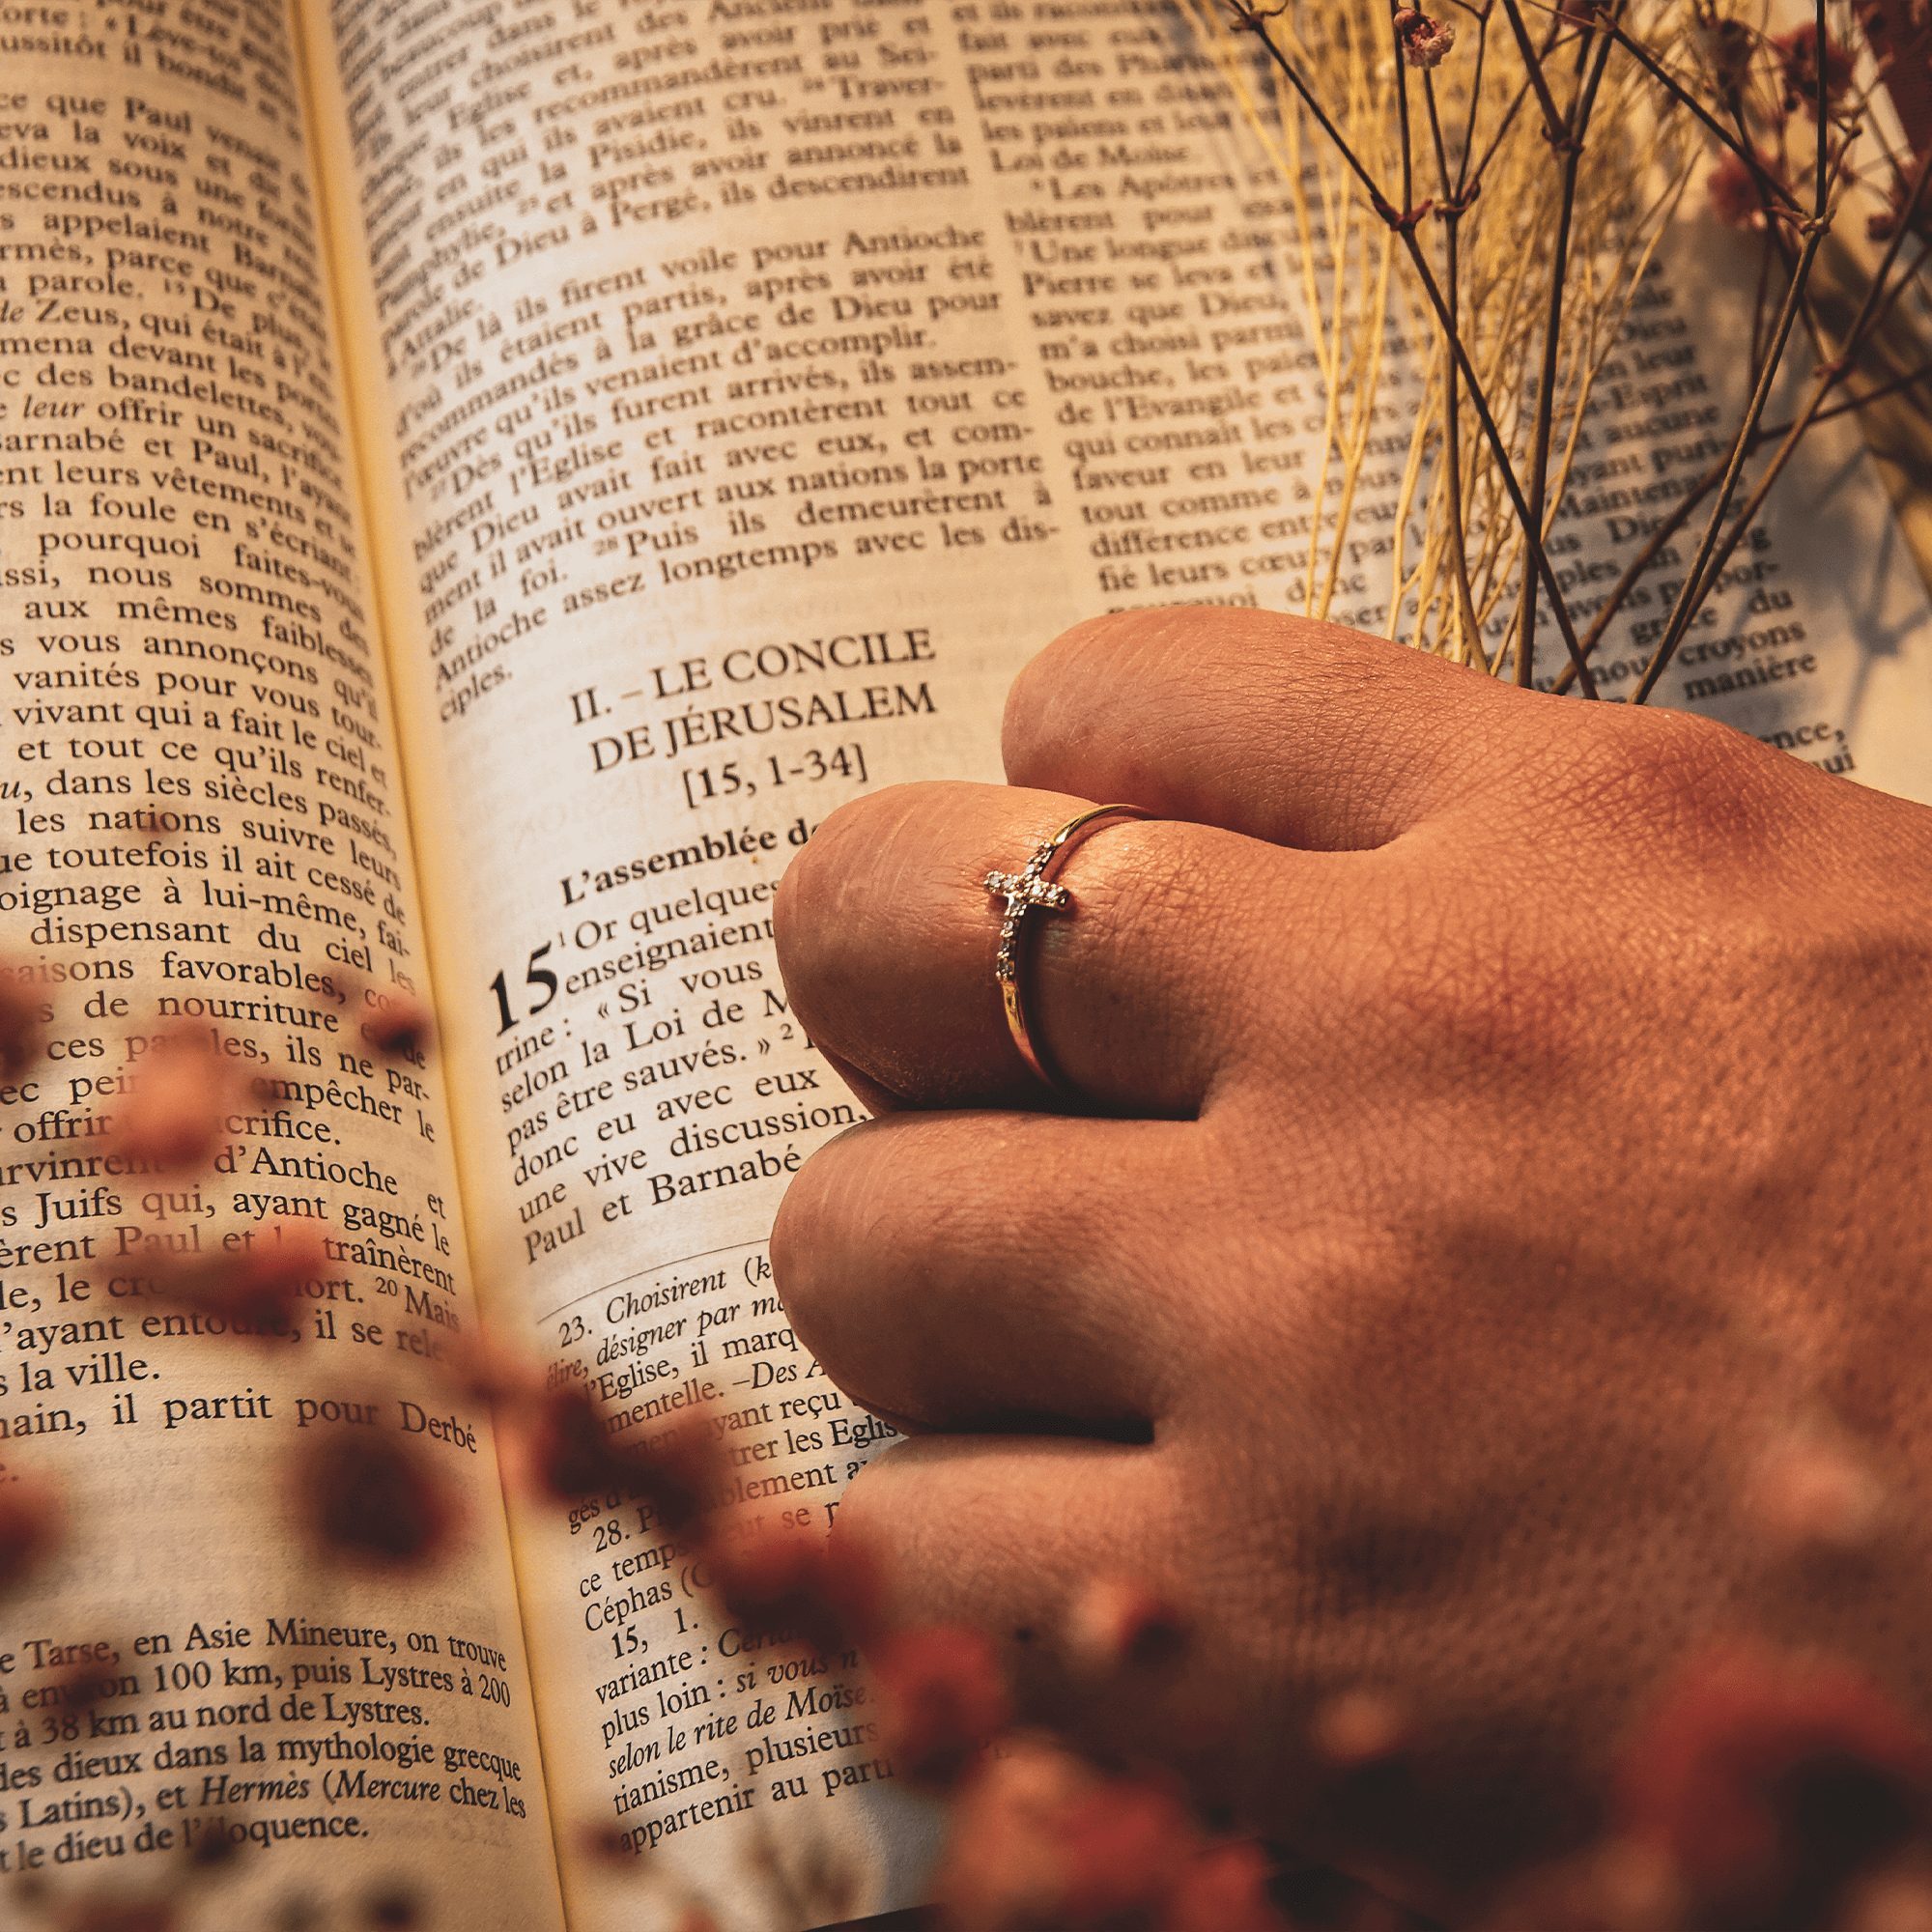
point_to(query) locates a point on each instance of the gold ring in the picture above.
(1032, 889)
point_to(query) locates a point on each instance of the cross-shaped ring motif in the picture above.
(1030, 890)
(1022, 892)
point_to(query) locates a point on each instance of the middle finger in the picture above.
(887, 938)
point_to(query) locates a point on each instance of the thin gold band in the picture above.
(1032, 889)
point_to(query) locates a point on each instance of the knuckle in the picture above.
(1674, 779)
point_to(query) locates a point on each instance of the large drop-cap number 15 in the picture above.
(535, 976)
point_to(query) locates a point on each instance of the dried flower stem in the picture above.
(1572, 151)
(1703, 572)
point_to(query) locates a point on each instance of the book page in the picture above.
(765, 381)
(207, 865)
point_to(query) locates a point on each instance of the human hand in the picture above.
(1505, 1196)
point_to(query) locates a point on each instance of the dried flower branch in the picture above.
(1521, 256)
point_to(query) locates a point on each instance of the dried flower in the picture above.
(177, 1103)
(120, 1915)
(1768, 1783)
(1357, 1728)
(1116, 1624)
(30, 1525)
(374, 1501)
(19, 1030)
(565, 1450)
(1798, 60)
(1736, 198)
(1727, 46)
(605, 1845)
(401, 1027)
(942, 1699)
(1424, 43)
(1812, 1494)
(1042, 1841)
(791, 1582)
(1127, 1847)
(394, 1908)
(1884, 226)
(1003, 1866)
(1224, 1890)
(261, 1292)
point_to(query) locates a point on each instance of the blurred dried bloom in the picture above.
(119, 1914)
(1809, 1494)
(393, 1909)
(1358, 1727)
(374, 1501)
(485, 1371)
(177, 1103)
(1042, 1843)
(261, 1292)
(1003, 1866)
(20, 1030)
(605, 1845)
(401, 1027)
(1424, 43)
(1117, 1624)
(213, 1851)
(1796, 55)
(567, 1450)
(80, 1688)
(1727, 46)
(943, 1698)
(1736, 198)
(1770, 1782)
(30, 1524)
(562, 1447)
(1225, 1889)
(780, 1581)
(1127, 1847)
(1881, 227)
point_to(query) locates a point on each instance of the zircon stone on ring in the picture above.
(1027, 891)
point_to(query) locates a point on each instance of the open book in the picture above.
(481, 480)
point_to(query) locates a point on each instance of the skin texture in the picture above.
(1506, 1166)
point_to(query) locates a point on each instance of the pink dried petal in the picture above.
(1798, 60)
(1424, 43)
(1116, 1624)
(21, 1033)
(1003, 1866)
(1769, 1782)
(1884, 226)
(261, 1292)
(1811, 1495)
(776, 1582)
(393, 1910)
(401, 1027)
(1224, 1890)
(1358, 1727)
(177, 1104)
(1736, 199)
(371, 1500)
(1127, 1846)
(31, 1522)
(942, 1699)
(1728, 45)
(605, 1845)
(565, 1448)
